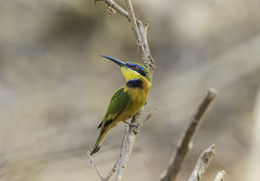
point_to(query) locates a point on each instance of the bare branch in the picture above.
(185, 145)
(220, 176)
(135, 28)
(148, 116)
(128, 142)
(109, 174)
(116, 7)
(94, 165)
(146, 54)
(140, 32)
(202, 163)
(127, 146)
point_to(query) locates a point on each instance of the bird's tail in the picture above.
(99, 141)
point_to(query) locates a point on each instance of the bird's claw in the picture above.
(133, 124)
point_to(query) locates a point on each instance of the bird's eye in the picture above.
(140, 70)
(137, 68)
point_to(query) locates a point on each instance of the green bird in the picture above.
(127, 100)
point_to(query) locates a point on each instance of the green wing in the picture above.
(118, 103)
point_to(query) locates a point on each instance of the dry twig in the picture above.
(128, 143)
(148, 116)
(185, 145)
(140, 32)
(109, 174)
(220, 176)
(116, 7)
(202, 163)
(127, 147)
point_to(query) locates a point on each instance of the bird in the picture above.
(127, 100)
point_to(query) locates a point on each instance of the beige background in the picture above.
(54, 88)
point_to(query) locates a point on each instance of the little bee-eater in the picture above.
(127, 100)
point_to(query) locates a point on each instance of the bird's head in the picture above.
(132, 70)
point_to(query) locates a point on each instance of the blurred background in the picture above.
(55, 88)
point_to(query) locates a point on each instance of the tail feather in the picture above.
(99, 141)
(95, 150)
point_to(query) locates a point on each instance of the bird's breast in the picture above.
(137, 91)
(138, 98)
(138, 95)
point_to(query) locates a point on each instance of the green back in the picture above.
(118, 103)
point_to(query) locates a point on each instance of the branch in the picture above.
(128, 143)
(220, 176)
(185, 145)
(135, 28)
(202, 163)
(116, 7)
(140, 32)
(148, 59)
(148, 116)
(109, 174)
(126, 148)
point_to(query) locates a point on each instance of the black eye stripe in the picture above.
(137, 68)
(141, 72)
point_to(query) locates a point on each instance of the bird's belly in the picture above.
(138, 98)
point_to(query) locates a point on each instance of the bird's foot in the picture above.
(133, 124)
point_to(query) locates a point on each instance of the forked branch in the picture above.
(109, 174)
(185, 145)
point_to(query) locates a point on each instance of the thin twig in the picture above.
(148, 116)
(146, 54)
(112, 171)
(94, 165)
(128, 142)
(140, 32)
(202, 163)
(135, 28)
(109, 174)
(185, 145)
(220, 176)
(126, 148)
(116, 7)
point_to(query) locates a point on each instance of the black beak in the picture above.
(117, 61)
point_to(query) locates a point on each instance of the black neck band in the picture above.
(135, 83)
